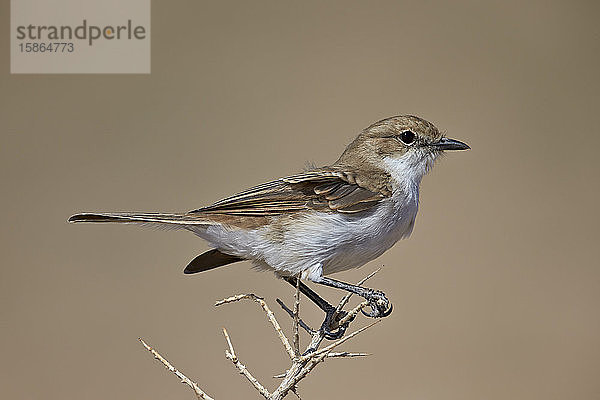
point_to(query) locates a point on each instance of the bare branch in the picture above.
(230, 354)
(353, 313)
(296, 320)
(301, 363)
(200, 394)
(338, 342)
(270, 317)
(345, 354)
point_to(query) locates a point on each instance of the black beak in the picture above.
(450, 144)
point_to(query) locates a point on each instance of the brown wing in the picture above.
(314, 190)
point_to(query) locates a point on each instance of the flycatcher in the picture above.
(323, 220)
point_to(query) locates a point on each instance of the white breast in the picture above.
(323, 242)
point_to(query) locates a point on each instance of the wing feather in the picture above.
(322, 190)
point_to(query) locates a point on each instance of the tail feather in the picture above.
(209, 260)
(143, 218)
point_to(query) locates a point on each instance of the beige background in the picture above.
(496, 294)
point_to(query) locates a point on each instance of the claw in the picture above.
(380, 305)
(387, 312)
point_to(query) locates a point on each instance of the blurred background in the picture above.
(496, 293)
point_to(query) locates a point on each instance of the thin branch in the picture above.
(296, 319)
(338, 342)
(230, 354)
(301, 363)
(345, 354)
(302, 366)
(200, 394)
(270, 317)
(352, 313)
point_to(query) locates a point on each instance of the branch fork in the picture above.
(302, 363)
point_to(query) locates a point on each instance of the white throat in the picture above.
(408, 170)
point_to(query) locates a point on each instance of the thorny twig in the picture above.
(302, 363)
(296, 318)
(270, 316)
(200, 394)
(230, 354)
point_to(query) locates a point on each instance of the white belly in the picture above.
(327, 243)
(321, 242)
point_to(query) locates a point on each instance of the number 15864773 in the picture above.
(50, 47)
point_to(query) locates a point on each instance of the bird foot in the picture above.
(331, 328)
(380, 305)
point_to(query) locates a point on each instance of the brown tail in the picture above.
(142, 218)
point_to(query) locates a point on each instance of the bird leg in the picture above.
(330, 326)
(380, 305)
(301, 323)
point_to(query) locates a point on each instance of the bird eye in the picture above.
(407, 137)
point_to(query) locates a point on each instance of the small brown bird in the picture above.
(321, 221)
